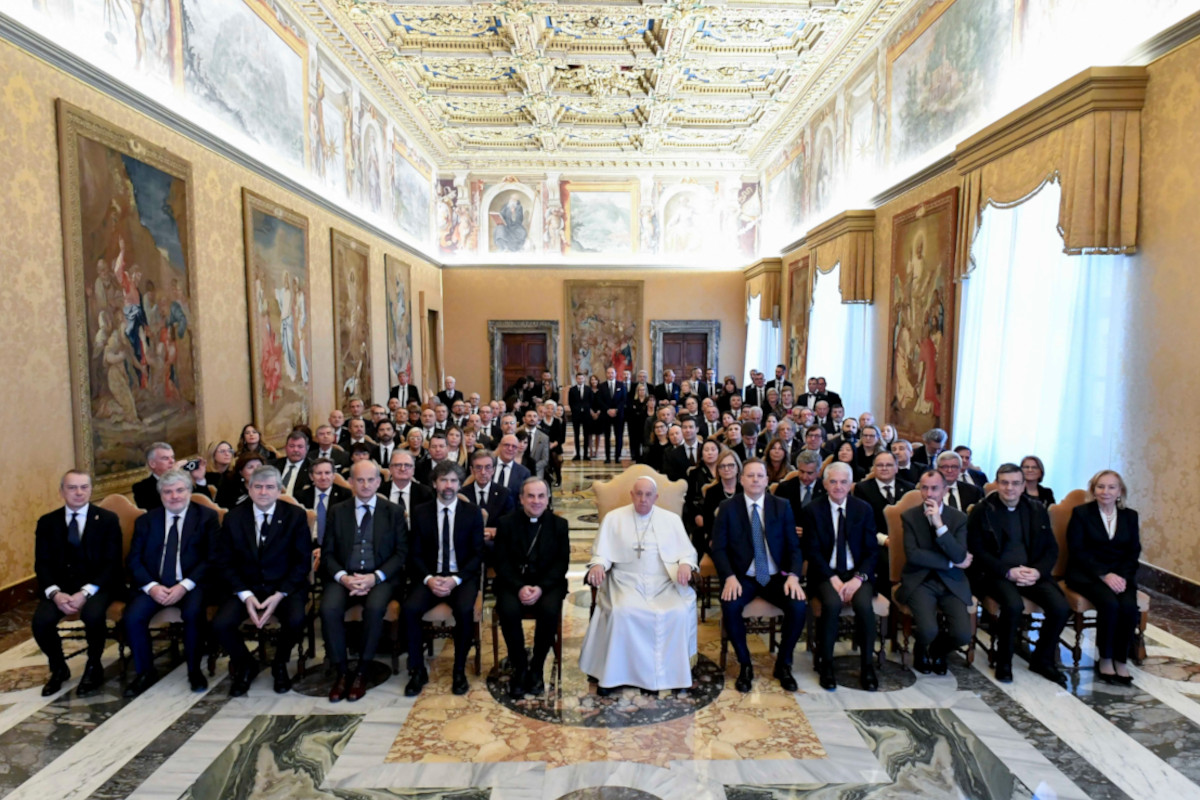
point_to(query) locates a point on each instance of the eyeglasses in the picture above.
(727, 466)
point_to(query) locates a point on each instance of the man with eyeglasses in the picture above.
(486, 494)
(402, 488)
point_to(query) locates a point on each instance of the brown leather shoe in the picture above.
(358, 687)
(339, 689)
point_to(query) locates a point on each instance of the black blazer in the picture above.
(468, 541)
(790, 490)
(549, 559)
(983, 540)
(145, 493)
(100, 561)
(968, 494)
(304, 479)
(912, 473)
(732, 548)
(927, 553)
(870, 492)
(283, 563)
(666, 391)
(499, 501)
(150, 537)
(577, 399)
(411, 394)
(339, 457)
(755, 396)
(675, 461)
(820, 537)
(1045, 496)
(231, 491)
(604, 400)
(448, 398)
(307, 496)
(1090, 553)
(418, 493)
(391, 539)
(724, 397)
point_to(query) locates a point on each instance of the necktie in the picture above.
(482, 498)
(807, 498)
(611, 391)
(762, 571)
(263, 529)
(364, 527)
(73, 530)
(953, 498)
(692, 455)
(841, 541)
(387, 454)
(321, 519)
(888, 496)
(504, 475)
(446, 541)
(287, 476)
(170, 573)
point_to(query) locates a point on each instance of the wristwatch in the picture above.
(862, 576)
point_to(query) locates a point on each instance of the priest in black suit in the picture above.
(160, 457)
(363, 557)
(531, 559)
(841, 559)
(407, 392)
(264, 550)
(446, 562)
(77, 560)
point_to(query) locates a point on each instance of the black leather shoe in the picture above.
(459, 683)
(416, 683)
(605, 691)
(922, 664)
(1123, 680)
(197, 680)
(92, 680)
(825, 674)
(867, 679)
(745, 678)
(283, 681)
(141, 683)
(784, 673)
(940, 665)
(1050, 673)
(55, 683)
(516, 686)
(534, 683)
(1004, 673)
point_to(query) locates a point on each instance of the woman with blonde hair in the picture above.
(726, 486)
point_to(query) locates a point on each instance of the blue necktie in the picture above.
(762, 572)
(321, 519)
(73, 537)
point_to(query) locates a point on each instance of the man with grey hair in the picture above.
(841, 550)
(264, 550)
(160, 457)
(168, 559)
(959, 494)
(933, 442)
(905, 468)
(450, 394)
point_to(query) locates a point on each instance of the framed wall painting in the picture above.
(130, 274)
(922, 316)
(351, 262)
(397, 276)
(604, 325)
(277, 283)
(600, 218)
(799, 306)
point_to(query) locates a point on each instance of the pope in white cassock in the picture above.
(643, 633)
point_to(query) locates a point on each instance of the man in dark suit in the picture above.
(403, 489)
(356, 409)
(531, 557)
(510, 473)
(407, 392)
(324, 447)
(682, 458)
(809, 399)
(168, 559)
(77, 560)
(321, 494)
(824, 419)
(385, 442)
(555, 431)
(450, 394)
(959, 494)
(1014, 552)
(486, 494)
(757, 554)
(577, 403)
(833, 398)
(668, 390)
(901, 449)
(354, 433)
(264, 549)
(971, 474)
(935, 552)
(755, 394)
(612, 399)
(295, 465)
(781, 382)
(883, 490)
(805, 486)
(446, 562)
(841, 550)
(160, 457)
(363, 557)
(933, 443)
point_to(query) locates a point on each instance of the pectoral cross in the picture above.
(639, 549)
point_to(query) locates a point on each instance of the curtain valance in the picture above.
(762, 279)
(847, 239)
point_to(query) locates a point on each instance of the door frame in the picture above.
(496, 330)
(711, 327)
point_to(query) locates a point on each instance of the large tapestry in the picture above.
(280, 341)
(799, 305)
(127, 236)
(351, 318)
(398, 288)
(604, 325)
(920, 388)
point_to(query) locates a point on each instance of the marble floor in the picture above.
(958, 736)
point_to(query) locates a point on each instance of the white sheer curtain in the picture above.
(762, 342)
(1041, 348)
(839, 337)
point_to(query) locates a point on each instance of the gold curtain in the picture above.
(762, 279)
(1086, 133)
(847, 239)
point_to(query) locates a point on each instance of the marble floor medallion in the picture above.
(609, 793)
(316, 682)
(892, 677)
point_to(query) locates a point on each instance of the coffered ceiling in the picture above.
(510, 84)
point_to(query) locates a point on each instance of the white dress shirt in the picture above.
(833, 509)
(359, 507)
(186, 583)
(441, 509)
(81, 522)
(260, 516)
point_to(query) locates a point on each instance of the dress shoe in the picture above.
(1004, 673)
(55, 683)
(605, 691)
(459, 683)
(867, 678)
(241, 676)
(534, 683)
(141, 683)
(825, 674)
(516, 686)
(1050, 673)
(922, 663)
(283, 681)
(1107, 677)
(577, 458)
(92, 680)
(745, 678)
(338, 692)
(940, 665)
(197, 680)
(784, 673)
(416, 682)
(357, 688)
(1123, 680)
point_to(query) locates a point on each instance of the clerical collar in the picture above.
(643, 517)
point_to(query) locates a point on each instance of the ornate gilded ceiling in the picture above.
(504, 84)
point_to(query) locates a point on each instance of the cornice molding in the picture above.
(854, 221)
(764, 266)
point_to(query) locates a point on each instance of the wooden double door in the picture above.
(523, 355)
(682, 351)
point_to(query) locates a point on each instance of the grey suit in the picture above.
(930, 582)
(538, 454)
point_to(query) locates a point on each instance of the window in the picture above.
(762, 342)
(839, 336)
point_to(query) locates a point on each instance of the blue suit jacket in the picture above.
(150, 537)
(614, 400)
(820, 537)
(732, 547)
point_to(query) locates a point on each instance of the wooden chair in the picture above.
(338, 480)
(202, 499)
(1031, 614)
(761, 617)
(128, 515)
(988, 488)
(438, 623)
(392, 618)
(897, 559)
(1083, 613)
(558, 644)
(879, 604)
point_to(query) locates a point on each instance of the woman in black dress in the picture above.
(251, 442)
(637, 420)
(235, 486)
(728, 391)
(1035, 472)
(593, 426)
(652, 456)
(727, 485)
(1103, 547)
